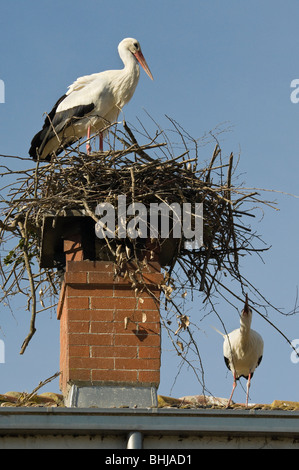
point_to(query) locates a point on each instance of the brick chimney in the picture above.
(110, 340)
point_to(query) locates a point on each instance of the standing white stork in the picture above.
(243, 350)
(91, 103)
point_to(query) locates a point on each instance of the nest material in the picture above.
(79, 182)
(149, 173)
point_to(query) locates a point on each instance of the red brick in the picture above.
(120, 315)
(61, 307)
(102, 327)
(106, 279)
(144, 333)
(139, 364)
(128, 303)
(101, 291)
(87, 315)
(150, 377)
(138, 316)
(101, 303)
(78, 351)
(80, 314)
(151, 340)
(125, 326)
(145, 294)
(73, 248)
(113, 351)
(75, 278)
(149, 304)
(112, 303)
(91, 266)
(101, 278)
(149, 352)
(87, 339)
(152, 316)
(90, 363)
(152, 278)
(127, 376)
(78, 326)
(136, 340)
(78, 302)
(126, 340)
(152, 327)
(125, 318)
(141, 328)
(102, 315)
(78, 291)
(80, 375)
(123, 291)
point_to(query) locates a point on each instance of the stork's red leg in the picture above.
(88, 146)
(234, 386)
(248, 386)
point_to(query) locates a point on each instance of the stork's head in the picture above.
(246, 313)
(246, 306)
(132, 45)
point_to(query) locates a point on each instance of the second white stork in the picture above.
(91, 103)
(243, 350)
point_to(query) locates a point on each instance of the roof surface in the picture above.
(19, 399)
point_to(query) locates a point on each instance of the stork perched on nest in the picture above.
(243, 350)
(90, 105)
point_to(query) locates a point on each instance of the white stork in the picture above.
(243, 350)
(91, 103)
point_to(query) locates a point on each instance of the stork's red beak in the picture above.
(246, 306)
(142, 62)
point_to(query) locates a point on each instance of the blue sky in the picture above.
(214, 63)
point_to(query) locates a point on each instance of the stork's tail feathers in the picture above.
(40, 140)
(35, 145)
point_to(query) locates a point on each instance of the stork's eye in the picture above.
(136, 45)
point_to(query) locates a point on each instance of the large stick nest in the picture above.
(158, 171)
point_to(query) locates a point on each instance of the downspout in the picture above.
(134, 440)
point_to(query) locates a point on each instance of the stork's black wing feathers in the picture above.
(245, 377)
(259, 361)
(40, 136)
(55, 123)
(227, 362)
(62, 119)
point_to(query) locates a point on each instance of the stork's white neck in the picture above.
(126, 80)
(245, 324)
(131, 65)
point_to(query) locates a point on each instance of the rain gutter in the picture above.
(152, 421)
